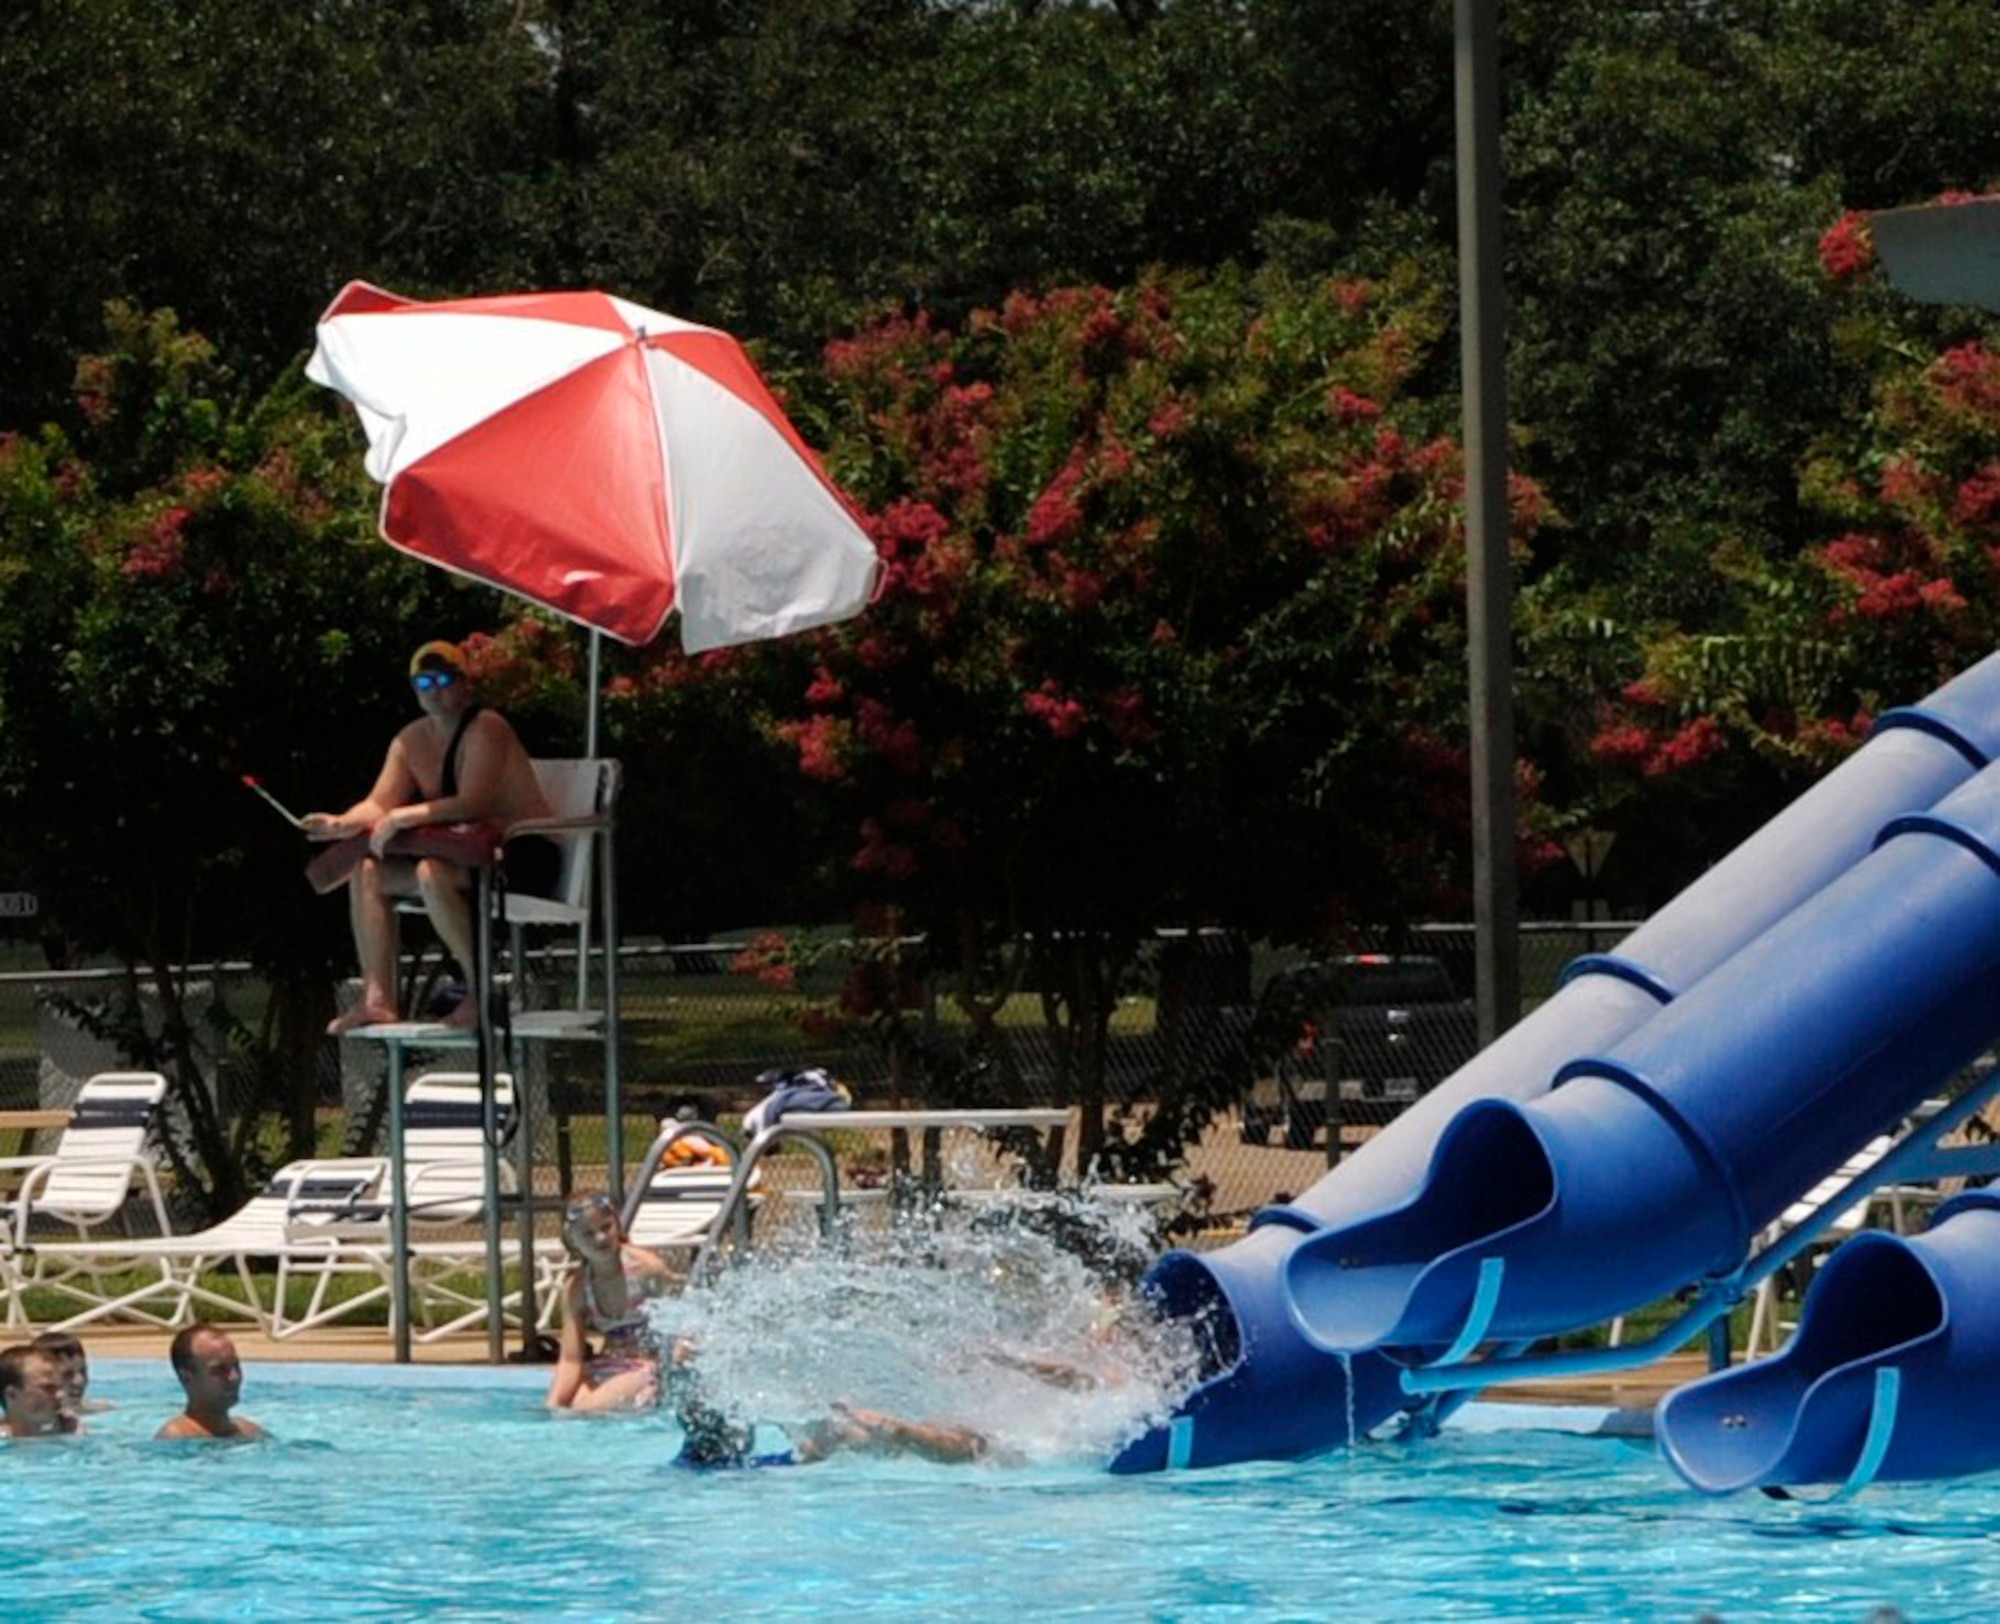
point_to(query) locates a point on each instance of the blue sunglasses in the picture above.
(425, 681)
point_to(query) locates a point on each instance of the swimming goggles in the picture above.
(425, 681)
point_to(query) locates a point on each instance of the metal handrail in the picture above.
(735, 1205)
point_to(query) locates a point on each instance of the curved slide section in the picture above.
(1271, 1392)
(1894, 1372)
(1658, 1163)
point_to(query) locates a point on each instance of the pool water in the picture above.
(452, 1495)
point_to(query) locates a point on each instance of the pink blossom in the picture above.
(1903, 482)
(1083, 589)
(1527, 503)
(1125, 715)
(1847, 248)
(1349, 407)
(1694, 743)
(892, 739)
(1103, 329)
(876, 652)
(767, 958)
(1978, 500)
(1353, 296)
(160, 551)
(1062, 716)
(1968, 377)
(1941, 598)
(882, 347)
(907, 526)
(1623, 746)
(1019, 311)
(822, 743)
(1170, 418)
(1057, 515)
(881, 855)
(1888, 597)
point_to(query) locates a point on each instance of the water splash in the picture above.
(946, 1318)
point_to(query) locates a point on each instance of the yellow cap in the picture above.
(437, 653)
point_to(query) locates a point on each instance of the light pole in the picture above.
(1488, 579)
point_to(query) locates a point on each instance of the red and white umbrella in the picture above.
(607, 461)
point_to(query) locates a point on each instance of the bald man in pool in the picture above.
(205, 1360)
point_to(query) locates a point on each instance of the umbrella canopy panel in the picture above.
(607, 461)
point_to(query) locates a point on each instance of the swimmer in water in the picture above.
(204, 1358)
(716, 1443)
(610, 1284)
(33, 1400)
(66, 1348)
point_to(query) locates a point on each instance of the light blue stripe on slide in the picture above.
(1485, 1298)
(1180, 1443)
(1881, 1428)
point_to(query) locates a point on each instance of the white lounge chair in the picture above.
(263, 1228)
(102, 1160)
(444, 1162)
(321, 1220)
(679, 1206)
(102, 1156)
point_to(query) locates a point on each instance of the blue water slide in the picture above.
(1271, 1390)
(1657, 1163)
(1894, 1372)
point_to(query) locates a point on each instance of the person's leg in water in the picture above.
(714, 1440)
(872, 1432)
(634, 1389)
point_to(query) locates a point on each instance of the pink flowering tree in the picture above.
(1896, 594)
(1171, 633)
(190, 591)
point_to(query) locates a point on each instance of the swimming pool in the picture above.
(449, 1494)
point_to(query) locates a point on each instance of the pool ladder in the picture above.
(732, 1218)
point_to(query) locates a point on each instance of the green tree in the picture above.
(190, 591)
(1171, 633)
(1892, 595)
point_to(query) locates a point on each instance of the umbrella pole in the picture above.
(590, 711)
(482, 990)
(614, 1101)
(590, 751)
(399, 1212)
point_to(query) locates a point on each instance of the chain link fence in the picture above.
(1302, 1060)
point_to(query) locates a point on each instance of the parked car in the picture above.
(1375, 1031)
